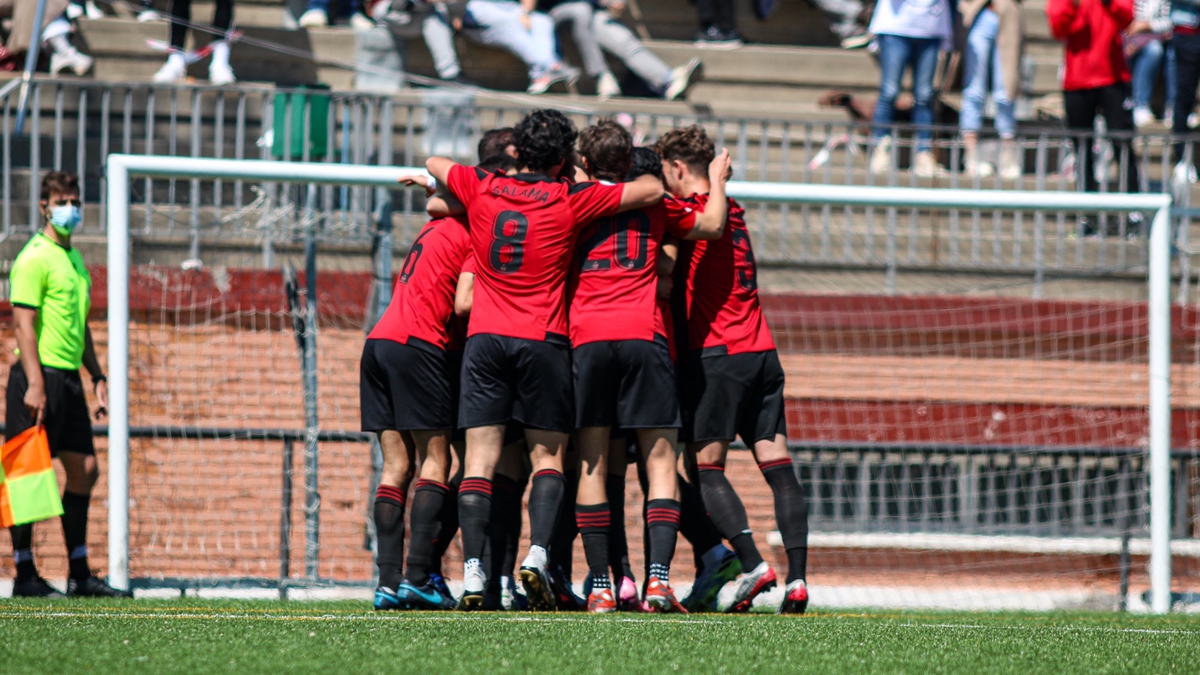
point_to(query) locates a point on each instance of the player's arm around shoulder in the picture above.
(464, 294)
(640, 193)
(710, 222)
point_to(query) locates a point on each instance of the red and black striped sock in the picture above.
(427, 504)
(662, 519)
(593, 521)
(389, 529)
(791, 514)
(728, 513)
(474, 512)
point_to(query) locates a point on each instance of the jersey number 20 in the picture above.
(624, 225)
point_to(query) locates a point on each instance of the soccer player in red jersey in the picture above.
(731, 380)
(624, 376)
(517, 362)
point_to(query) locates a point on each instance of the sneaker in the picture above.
(314, 18)
(1142, 117)
(559, 73)
(426, 596)
(627, 596)
(220, 74)
(858, 39)
(749, 586)
(601, 601)
(35, 587)
(474, 581)
(881, 156)
(386, 600)
(174, 70)
(439, 582)
(661, 599)
(537, 586)
(607, 87)
(94, 11)
(74, 11)
(715, 38)
(78, 62)
(795, 600)
(93, 587)
(710, 581)
(360, 21)
(148, 15)
(925, 165)
(681, 80)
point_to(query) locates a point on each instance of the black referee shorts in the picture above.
(67, 419)
(507, 379)
(725, 395)
(407, 387)
(625, 383)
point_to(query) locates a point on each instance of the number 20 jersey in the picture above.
(614, 278)
(523, 233)
(722, 290)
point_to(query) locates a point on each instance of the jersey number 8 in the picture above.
(508, 249)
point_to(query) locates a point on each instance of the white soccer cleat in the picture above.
(607, 87)
(474, 581)
(314, 18)
(739, 595)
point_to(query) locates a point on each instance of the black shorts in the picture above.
(67, 418)
(507, 379)
(732, 395)
(625, 383)
(406, 387)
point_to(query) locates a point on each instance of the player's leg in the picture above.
(398, 451)
(504, 530)
(662, 515)
(546, 450)
(716, 564)
(618, 541)
(562, 542)
(417, 589)
(592, 515)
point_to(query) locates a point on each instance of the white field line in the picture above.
(933, 541)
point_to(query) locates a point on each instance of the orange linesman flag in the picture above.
(28, 488)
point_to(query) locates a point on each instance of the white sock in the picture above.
(59, 27)
(537, 557)
(220, 53)
(713, 556)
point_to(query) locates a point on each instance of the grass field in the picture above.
(342, 638)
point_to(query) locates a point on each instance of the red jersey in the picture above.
(422, 303)
(614, 281)
(523, 231)
(722, 290)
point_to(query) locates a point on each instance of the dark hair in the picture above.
(501, 162)
(494, 142)
(59, 182)
(645, 162)
(544, 138)
(689, 145)
(608, 148)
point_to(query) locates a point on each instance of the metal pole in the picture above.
(285, 521)
(31, 59)
(118, 374)
(1160, 412)
(312, 499)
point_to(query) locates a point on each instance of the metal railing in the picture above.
(76, 125)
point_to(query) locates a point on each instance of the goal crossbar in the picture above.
(120, 168)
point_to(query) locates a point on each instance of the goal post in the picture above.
(121, 169)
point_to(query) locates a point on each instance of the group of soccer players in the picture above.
(576, 303)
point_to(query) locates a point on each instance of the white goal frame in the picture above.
(120, 168)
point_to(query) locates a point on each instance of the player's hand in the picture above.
(719, 169)
(417, 179)
(526, 22)
(102, 397)
(35, 403)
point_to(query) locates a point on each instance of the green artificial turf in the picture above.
(342, 638)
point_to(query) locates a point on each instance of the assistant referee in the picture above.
(51, 296)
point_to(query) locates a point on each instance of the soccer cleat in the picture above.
(564, 594)
(314, 18)
(35, 587)
(474, 581)
(538, 589)
(386, 600)
(710, 581)
(512, 599)
(627, 597)
(426, 596)
(601, 601)
(439, 582)
(795, 601)
(748, 587)
(681, 80)
(93, 587)
(661, 599)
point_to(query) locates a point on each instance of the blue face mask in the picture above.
(65, 218)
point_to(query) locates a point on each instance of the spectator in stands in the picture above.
(595, 27)
(436, 29)
(317, 15)
(526, 33)
(1146, 46)
(718, 24)
(994, 42)
(910, 35)
(1096, 78)
(56, 31)
(219, 71)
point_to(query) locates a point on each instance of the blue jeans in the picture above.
(895, 54)
(1145, 66)
(981, 61)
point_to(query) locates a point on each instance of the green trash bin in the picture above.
(311, 101)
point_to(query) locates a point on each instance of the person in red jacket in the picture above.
(1096, 77)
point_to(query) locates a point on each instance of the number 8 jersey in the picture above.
(723, 312)
(523, 232)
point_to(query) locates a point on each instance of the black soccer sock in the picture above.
(728, 514)
(662, 520)
(74, 524)
(593, 521)
(562, 542)
(389, 529)
(474, 513)
(695, 524)
(427, 504)
(448, 519)
(506, 517)
(545, 501)
(791, 514)
(618, 544)
(22, 543)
